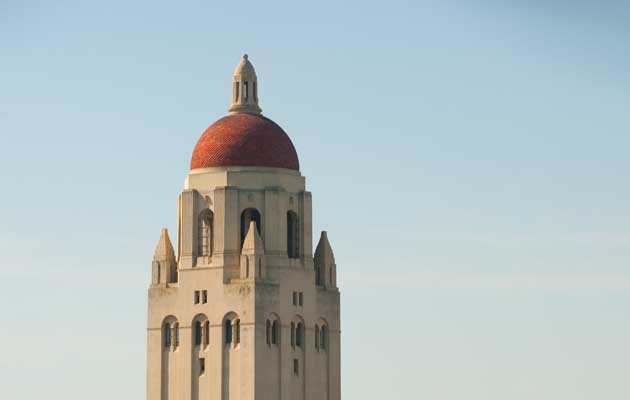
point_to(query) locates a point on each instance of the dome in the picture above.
(246, 140)
(245, 67)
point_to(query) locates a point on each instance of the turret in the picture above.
(164, 268)
(253, 255)
(324, 260)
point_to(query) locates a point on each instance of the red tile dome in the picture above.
(244, 140)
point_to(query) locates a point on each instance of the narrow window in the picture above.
(196, 297)
(245, 90)
(268, 332)
(238, 331)
(318, 276)
(316, 336)
(228, 331)
(322, 337)
(237, 91)
(206, 333)
(275, 333)
(295, 302)
(292, 334)
(202, 366)
(296, 366)
(301, 298)
(299, 335)
(157, 278)
(204, 296)
(198, 335)
(167, 335)
(293, 249)
(206, 225)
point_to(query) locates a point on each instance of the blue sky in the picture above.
(468, 159)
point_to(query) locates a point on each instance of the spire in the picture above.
(253, 264)
(253, 243)
(323, 252)
(324, 263)
(244, 89)
(164, 250)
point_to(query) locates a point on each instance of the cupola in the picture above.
(244, 89)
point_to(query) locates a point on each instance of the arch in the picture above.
(200, 334)
(316, 336)
(168, 324)
(273, 329)
(231, 328)
(324, 334)
(248, 215)
(205, 235)
(297, 331)
(293, 235)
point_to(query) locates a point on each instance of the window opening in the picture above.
(228, 331)
(198, 335)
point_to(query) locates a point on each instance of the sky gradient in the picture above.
(468, 159)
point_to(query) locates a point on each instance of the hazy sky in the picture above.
(470, 160)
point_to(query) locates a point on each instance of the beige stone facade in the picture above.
(243, 310)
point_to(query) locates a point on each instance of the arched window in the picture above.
(248, 215)
(167, 335)
(323, 337)
(293, 334)
(268, 331)
(299, 335)
(238, 331)
(228, 331)
(318, 276)
(293, 235)
(198, 333)
(206, 231)
(316, 336)
(275, 332)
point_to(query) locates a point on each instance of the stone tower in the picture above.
(244, 310)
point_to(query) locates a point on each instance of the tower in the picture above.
(243, 310)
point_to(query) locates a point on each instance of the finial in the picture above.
(245, 56)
